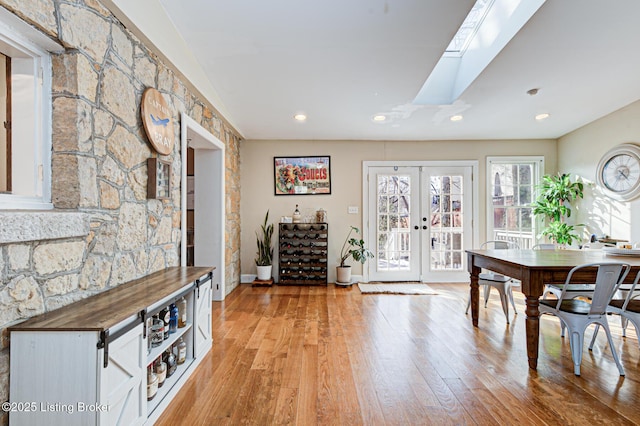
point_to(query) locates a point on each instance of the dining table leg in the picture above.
(474, 293)
(532, 325)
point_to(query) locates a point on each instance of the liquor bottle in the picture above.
(182, 312)
(165, 315)
(182, 351)
(157, 331)
(152, 384)
(170, 359)
(173, 319)
(160, 370)
(297, 217)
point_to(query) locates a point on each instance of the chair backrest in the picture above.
(632, 291)
(544, 246)
(499, 245)
(596, 245)
(609, 277)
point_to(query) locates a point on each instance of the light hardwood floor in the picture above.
(333, 356)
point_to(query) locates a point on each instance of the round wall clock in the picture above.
(619, 172)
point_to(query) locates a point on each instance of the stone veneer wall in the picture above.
(99, 172)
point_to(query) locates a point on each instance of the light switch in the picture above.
(353, 209)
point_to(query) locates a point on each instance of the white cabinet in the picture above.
(86, 363)
(202, 333)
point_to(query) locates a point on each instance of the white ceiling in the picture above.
(341, 62)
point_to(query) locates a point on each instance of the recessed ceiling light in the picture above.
(455, 117)
(300, 117)
(542, 116)
(379, 118)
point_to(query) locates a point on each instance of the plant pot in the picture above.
(264, 272)
(343, 274)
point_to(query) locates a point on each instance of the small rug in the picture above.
(395, 288)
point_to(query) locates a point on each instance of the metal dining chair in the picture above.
(502, 283)
(576, 314)
(628, 307)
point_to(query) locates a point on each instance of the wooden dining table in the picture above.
(534, 269)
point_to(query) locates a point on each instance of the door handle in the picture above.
(416, 227)
(424, 227)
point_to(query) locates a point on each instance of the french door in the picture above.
(420, 218)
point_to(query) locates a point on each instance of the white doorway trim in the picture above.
(366, 165)
(209, 208)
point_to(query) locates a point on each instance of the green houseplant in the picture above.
(264, 256)
(553, 203)
(354, 248)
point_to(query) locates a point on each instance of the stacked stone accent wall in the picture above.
(99, 169)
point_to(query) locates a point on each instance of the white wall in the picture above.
(257, 194)
(579, 153)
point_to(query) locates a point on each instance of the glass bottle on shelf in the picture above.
(157, 331)
(182, 312)
(165, 316)
(160, 369)
(173, 318)
(170, 359)
(182, 351)
(152, 384)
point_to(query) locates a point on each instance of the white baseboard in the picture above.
(247, 278)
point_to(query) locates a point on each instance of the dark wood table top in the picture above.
(545, 259)
(104, 310)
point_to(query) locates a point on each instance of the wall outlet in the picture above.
(353, 209)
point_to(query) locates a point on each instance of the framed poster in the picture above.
(302, 175)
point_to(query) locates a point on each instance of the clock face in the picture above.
(619, 171)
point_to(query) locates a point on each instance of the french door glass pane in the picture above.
(394, 209)
(446, 223)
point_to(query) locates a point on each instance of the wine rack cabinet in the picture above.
(303, 251)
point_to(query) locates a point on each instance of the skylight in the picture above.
(469, 27)
(487, 29)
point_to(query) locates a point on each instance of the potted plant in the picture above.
(555, 193)
(264, 257)
(353, 247)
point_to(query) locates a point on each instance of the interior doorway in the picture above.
(206, 202)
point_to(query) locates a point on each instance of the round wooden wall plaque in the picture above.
(158, 121)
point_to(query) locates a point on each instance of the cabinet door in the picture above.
(123, 383)
(202, 333)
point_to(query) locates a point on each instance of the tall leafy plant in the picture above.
(264, 257)
(555, 195)
(354, 247)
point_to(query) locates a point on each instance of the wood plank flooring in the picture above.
(333, 356)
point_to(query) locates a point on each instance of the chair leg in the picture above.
(605, 325)
(595, 334)
(487, 291)
(468, 305)
(505, 305)
(624, 322)
(510, 293)
(576, 341)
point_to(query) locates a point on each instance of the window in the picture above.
(510, 191)
(25, 115)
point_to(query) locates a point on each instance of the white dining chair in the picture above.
(627, 306)
(502, 283)
(577, 314)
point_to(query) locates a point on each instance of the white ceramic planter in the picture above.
(343, 274)
(264, 272)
